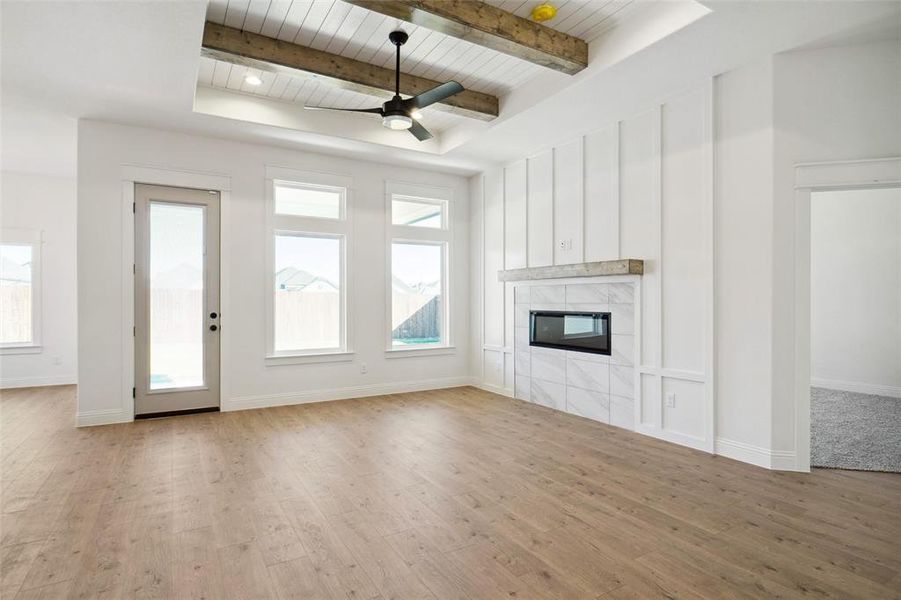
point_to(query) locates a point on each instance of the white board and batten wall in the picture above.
(637, 188)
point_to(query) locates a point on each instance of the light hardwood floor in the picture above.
(444, 494)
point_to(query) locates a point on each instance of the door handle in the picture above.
(213, 328)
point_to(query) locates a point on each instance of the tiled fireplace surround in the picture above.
(595, 386)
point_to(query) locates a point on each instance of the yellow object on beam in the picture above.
(544, 12)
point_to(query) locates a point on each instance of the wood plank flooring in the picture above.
(433, 495)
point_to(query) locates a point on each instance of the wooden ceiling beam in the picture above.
(491, 27)
(275, 56)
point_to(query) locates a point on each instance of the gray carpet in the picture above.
(855, 431)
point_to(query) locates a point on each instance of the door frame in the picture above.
(809, 178)
(134, 174)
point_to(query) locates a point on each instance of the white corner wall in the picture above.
(103, 320)
(830, 104)
(855, 295)
(46, 203)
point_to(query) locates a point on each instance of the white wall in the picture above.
(640, 187)
(830, 104)
(855, 296)
(45, 203)
(103, 149)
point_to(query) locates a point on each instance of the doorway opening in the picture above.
(855, 329)
(177, 316)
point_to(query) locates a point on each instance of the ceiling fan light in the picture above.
(397, 122)
(416, 114)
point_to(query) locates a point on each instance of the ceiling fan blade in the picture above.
(422, 134)
(436, 94)
(376, 111)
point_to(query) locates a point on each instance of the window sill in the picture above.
(304, 359)
(420, 351)
(20, 350)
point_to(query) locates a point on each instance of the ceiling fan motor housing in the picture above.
(398, 38)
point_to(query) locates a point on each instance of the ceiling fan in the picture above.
(397, 113)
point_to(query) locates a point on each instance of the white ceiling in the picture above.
(347, 30)
(138, 63)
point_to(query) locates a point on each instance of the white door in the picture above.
(176, 300)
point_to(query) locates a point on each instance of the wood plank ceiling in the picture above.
(340, 28)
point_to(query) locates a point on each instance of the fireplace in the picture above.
(565, 330)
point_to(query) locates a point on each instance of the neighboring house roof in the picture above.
(293, 279)
(427, 288)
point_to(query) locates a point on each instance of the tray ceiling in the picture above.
(354, 32)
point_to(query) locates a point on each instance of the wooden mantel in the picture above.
(604, 268)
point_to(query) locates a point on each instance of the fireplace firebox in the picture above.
(576, 331)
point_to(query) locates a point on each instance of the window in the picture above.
(417, 212)
(308, 200)
(20, 290)
(307, 268)
(419, 250)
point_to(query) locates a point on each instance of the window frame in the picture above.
(34, 239)
(340, 228)
(414, 234)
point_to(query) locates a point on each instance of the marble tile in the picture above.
(622, 317)
(587, 293)
(552, 395)
(522, 363)
(588, 357)
(587, 307)
(587, 375)
(549, 365)
(522, 388)
(585, 403)
(521, 339)
(522, 294)
(547, 306)
(548, 294)
(621, 293)
(622, 382)
(622, 412)
(622, 350)
(521, 315)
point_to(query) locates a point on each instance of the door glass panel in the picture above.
(176, 296)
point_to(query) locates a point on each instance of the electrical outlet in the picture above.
(671, 400)
(363, 368)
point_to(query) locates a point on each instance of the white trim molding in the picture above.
(876, 172)
(809, 178)
(108, 416)
(781, 460)
(344, 393)
(8, 383)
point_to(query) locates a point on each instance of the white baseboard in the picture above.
(494, 389)
(359, 391)
(21, 382)
(856, 386)
(102, 417)
(778, 460)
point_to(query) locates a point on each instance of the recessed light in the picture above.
(253, 80)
